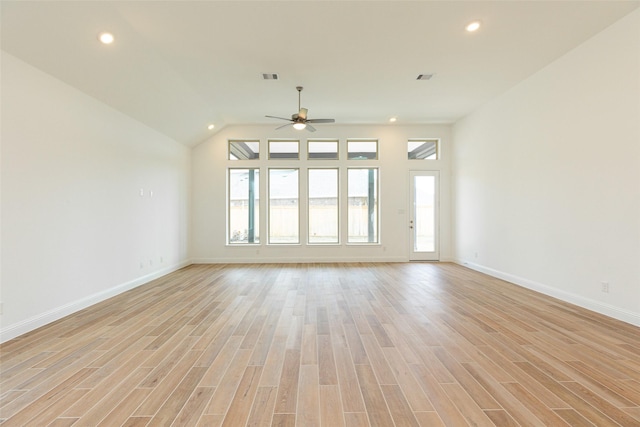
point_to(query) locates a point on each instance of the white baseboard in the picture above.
(290, 260)
(32, 323)
(588, 303)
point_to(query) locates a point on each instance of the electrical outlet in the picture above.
(605, 287)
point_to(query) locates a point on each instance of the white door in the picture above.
(423, 218)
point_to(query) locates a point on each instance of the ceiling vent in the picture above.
(269, 76)
(424, 76)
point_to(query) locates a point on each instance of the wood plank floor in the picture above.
(420, 344)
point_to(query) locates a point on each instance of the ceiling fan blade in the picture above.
(321, 121)
(284, 126)
(310, 128)
(303, 113)
(281, 118)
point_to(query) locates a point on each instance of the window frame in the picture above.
(360, 140)
(256, 221)
(323, 141)
(270, 141)
(436, 143)
(230, 142)
(338, 208)
(269, 216)
(377, 207)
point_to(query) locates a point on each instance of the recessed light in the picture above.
(106, 38)
(472, 26)
(428, 76)
(210, 127)
(393, 119)
(270, 76)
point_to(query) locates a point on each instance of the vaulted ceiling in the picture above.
(178, 66)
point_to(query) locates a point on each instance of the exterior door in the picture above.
(424, 215)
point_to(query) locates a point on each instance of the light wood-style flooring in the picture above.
(406, 344)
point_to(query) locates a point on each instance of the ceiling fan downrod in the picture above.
(299, 89)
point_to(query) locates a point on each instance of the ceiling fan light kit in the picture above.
(299, 120)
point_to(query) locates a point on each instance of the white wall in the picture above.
(75, 229)
(209, 165)
(546, 178)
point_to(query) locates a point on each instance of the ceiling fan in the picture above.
(299, 120)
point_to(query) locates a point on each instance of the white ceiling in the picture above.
(179, 65)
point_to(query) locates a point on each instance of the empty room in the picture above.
(320, 213)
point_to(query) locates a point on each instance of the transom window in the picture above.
(419, 149)
(359, 149)
(284, 149)
(322, 149)
(244, 150)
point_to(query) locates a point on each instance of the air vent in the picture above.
(269, 76)
(424, 76)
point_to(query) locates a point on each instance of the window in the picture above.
(284, 150)
(362, 149)
(323, 206)
(283, 206)
(244, 206)
(419, 149)
(363, 205)
(244, 150)
(322, 149)
(310, 194)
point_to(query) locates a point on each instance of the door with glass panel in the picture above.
(423, 218)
